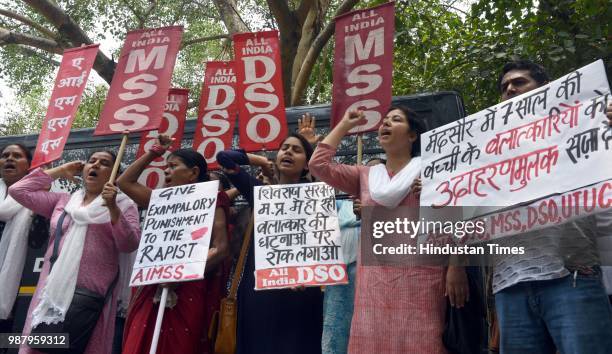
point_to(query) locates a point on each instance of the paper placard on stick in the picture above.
(363, 65)
(263, 124)
(524, 148)
(136, 97)
(69, 85)
(173, 125)
(217, 111)
(176, 234)
(297, 237)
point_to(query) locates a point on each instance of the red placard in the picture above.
(136, 97)
(173, 125)
(363, 65)
(263, 124)
(217, 112)
(312, 275)
(65, 98)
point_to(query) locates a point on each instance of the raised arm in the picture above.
(219, 245)
(128, 181)
(322, 166)
(231, 160)
(350, 120)
(32, 191)
(232, 193)
(306, 128)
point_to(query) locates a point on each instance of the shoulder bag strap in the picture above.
(246, 241)
(109, 292)
(55, 255)
(58, 237)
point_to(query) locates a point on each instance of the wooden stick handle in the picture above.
(119, 158)
(359, 149)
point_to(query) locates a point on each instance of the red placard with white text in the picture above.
(173, 125)
(263, 124)
(140, 85)
(217, 112)
(363, 65)
(65, 98)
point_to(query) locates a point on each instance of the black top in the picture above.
(280, 321)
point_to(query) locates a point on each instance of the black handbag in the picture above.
(82, 315)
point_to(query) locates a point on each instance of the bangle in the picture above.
(157, 149)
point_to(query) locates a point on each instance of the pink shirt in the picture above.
(100, 259)
(398, 309)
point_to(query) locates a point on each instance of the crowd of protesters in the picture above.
(544, 301)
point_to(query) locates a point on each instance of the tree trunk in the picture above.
(230, 16)
(314, 50)
(72, 32)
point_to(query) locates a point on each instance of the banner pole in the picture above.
(158, 322)
(359, 149)
(119, 158)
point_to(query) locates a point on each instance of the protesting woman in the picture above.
(287, 321)
(397, 309)
(94, 224)
(18, 226)
(190, 305)
(338, 300)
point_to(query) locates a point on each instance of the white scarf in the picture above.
(61, 282)
(390, 192)
(13, 248)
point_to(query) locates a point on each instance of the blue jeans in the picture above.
(338, 314)
(573, 316)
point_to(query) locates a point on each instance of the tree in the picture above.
(439, 44)
(27, 114)
(44, 28)
(439, 47)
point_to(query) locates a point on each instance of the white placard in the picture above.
(550, 140)
(176, 234)
(297, 236)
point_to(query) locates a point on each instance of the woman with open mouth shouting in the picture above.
(191, 305)
(293, 319)
(92, 225)
(18, 227)
(398, 309)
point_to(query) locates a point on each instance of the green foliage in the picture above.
(90, 107)
(30, 73)
(24, 71)
(439, 49)
(25, 116)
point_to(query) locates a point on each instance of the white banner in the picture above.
(297, 236)
(176, 234)
(547, 141)
(550, 211)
